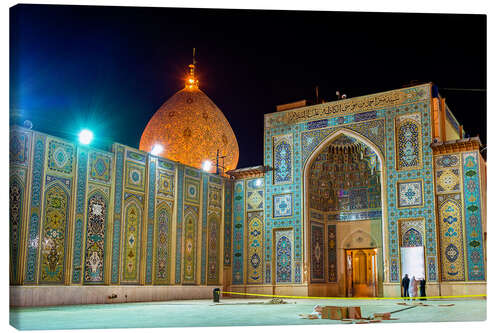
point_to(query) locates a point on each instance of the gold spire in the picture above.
(191, 81)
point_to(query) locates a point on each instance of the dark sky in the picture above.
(110, 68)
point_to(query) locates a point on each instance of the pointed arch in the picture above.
(53, 243)
(305, 197)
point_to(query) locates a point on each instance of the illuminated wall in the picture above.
(398, 124)
(82, 216)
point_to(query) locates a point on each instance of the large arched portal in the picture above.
(344, 214)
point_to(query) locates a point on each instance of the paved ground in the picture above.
(230, 312)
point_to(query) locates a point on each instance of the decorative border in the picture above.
(115, 256)
(35, 210)
(79, 216)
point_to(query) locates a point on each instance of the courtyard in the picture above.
(233, 312)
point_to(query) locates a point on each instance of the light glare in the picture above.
(157, 149)
(206, 166)
(85, 137)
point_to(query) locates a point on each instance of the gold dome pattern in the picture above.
(190, 128)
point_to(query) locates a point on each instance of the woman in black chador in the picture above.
(422, 289)
(405, 283)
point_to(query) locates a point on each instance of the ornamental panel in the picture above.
(317, 253)
(451, 237)
(213, 260)
(410, 194)
(135, 175)
(163, 241)
(54, 231)
(99, 167)
(332, 253)
(283, 157)
(166, 183)
(95, 247)
(192, 190)
(282, 205)
(131, 254)
(411, 232)
(255, 247)
(283, 251)
(60, 157)
(189, 244)
(473, 218)
(408, 142)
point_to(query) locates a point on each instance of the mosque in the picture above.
(352, 195)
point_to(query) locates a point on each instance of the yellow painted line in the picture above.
(373, 298)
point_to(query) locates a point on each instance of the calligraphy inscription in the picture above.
(345, 107)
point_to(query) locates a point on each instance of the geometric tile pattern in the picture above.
(332, 253)
(283, 156)
(180, 221)
(131, 240)
(16, 210)
(204, 212)
(100, 167)
(81, 187)
(163, 235)
(214, 222)
(411, 232)
(283, 255)
(372, 130)
(60, 157)
(409, 144)
(151, 218)
(228, 214)
(255, 250)
(54, 230)
(282, 205)
(317, 262)
(473, 225)
(19, 147)
(255, 194)
(189, 246)
(238, 220)
(95, 248)
(410, 194)
(451, 237)
(115, 256)
(448, 180)
(192, 191)
(166, 183)
(135, 176)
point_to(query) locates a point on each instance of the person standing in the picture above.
(422, 289)
(413, 287)
(406, 284)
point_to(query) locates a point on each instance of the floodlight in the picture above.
(85, 137)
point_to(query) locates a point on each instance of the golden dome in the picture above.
(191, 128)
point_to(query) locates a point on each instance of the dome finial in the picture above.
(191, 81)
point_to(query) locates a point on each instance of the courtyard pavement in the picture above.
(232, 312)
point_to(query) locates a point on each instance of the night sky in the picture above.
(111, 68)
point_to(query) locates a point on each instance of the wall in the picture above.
(81, 216)
(459, 197)
(397, 124)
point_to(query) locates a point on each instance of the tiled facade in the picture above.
(80, 216)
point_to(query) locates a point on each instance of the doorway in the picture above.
(361, 273)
